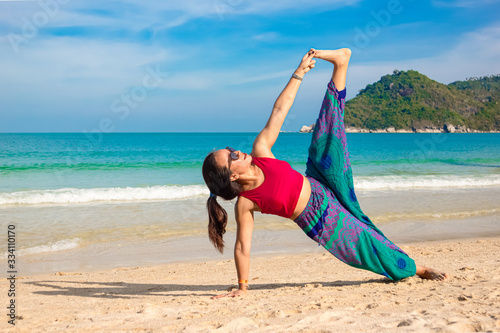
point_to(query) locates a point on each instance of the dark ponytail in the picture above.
(217, 221)
(219, 183)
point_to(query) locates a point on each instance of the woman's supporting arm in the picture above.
(242, 247)
(267, 137)
(244, 220)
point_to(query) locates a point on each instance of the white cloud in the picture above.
(64, 68)
(265, 6)
(264, 77)
(207, 79)
(221, 7)
(135, 15)
(11, 13)
(267, 36)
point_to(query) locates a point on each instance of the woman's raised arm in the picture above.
(267, 137)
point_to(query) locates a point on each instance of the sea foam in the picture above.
(65, 244)
(423, 182)
(76, 195)
(168, 193)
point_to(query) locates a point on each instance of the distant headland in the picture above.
(447, 128)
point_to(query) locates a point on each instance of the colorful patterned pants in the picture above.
(333, 217)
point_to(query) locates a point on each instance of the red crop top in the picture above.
(280, 191)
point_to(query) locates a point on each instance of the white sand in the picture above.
(295, 293)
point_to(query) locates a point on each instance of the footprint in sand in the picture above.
(467, 268)
(463, 327)
(404, 323)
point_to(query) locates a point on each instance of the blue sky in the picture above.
(218, 65)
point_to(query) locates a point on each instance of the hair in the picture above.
(219, 183)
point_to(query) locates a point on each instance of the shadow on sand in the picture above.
(129, 290)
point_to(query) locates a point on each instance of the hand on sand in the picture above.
(307, 63)
(239, 292)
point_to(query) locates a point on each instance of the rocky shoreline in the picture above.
(447, 128)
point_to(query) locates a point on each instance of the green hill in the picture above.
(410, 100)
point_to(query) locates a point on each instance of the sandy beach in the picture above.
(294, 293)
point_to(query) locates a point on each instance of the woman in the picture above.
(322, 203)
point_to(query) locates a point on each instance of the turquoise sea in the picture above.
(94, 200)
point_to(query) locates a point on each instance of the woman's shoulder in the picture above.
(262, 161)
(261, 151)
(244, 204)
(263, 157)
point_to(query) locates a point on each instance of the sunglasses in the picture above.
(232, 154)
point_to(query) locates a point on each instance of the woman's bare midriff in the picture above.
(305, 194)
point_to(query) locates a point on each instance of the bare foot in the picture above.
(431, 274)
(336, 57)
